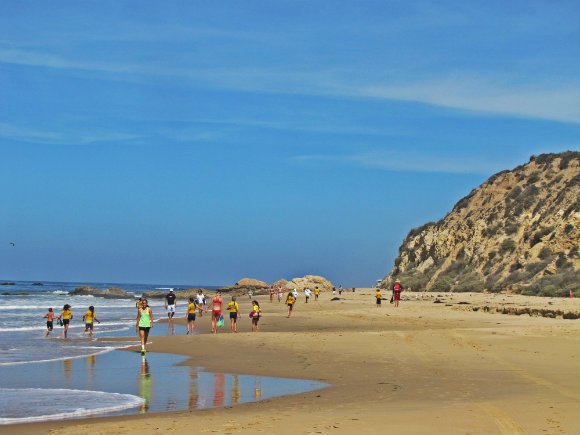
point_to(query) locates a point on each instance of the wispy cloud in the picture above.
(407, 161)
(25, 134)
(487, 93)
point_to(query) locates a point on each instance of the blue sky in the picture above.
(202, 142)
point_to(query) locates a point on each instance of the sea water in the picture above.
(44, 378)
(23, 329)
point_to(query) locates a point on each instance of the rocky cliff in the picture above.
(519, 231)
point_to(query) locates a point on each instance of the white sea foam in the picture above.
(28, 405)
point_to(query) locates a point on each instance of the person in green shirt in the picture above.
(144, 323)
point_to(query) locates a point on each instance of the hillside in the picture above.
(519, 231)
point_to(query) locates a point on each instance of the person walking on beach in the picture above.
(316, 293)
(234, 310)
(49, 321)
(280, 292)
(190, 315)
(256, 314)
(170, 304)
(290, 299)
(144, 323)
(295, 294)
(306, 294)
(271, 291)
(216, 311)
(200, 299)
(66, 316)
(378, 296)
(397, 289)
(89, 318)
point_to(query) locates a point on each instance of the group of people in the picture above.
(395, 297)
(65, 317)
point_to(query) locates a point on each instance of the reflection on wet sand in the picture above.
(192, 404)
(67, 368)
(236, 393)
(219, 384)
(91, 361)
(257, 388)
(145, 385)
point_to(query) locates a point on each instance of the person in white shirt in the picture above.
(200, 299)
(306, 294)
(295, 294)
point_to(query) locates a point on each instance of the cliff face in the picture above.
(519, 231)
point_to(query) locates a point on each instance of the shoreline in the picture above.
(405, 369)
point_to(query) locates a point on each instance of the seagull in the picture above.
(12, 243)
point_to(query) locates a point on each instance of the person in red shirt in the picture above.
(216, 311)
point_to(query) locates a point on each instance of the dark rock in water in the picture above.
(7, 283)
(37, 283)
(335, 299)
(111, 293)
(437, 301)
(463, 303)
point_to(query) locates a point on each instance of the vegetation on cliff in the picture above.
(519, 231)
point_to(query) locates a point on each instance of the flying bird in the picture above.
(12, 243)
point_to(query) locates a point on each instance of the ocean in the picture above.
(22, 327)
(46, 378)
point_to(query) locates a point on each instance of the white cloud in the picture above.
(409, 162)
(26, 134)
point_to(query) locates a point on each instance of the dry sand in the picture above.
(423, 368)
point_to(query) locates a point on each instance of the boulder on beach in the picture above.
(311, 282)
(245, 285)
(110, 293)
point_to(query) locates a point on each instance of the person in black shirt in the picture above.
(170, 304)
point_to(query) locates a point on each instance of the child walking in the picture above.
(66, 316)
(89, 319)
(256, 314)
(49, 321)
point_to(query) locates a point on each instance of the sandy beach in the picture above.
(423, 368)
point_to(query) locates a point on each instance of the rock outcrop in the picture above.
(519, 231)
(310, 281)
(111, 293)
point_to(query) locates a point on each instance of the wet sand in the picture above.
(422, 368)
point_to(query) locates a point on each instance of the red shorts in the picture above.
(397, 296)
(216, 314)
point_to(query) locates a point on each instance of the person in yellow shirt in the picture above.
(316, 293)
(290, 299)
(89, 319)
(378, 295)
(234, 310)
(66, 316)
(190, 314)
(256, 314)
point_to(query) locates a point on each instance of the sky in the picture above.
(200, 142)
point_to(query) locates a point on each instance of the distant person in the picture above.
(295, 294)
(200, 299)
(190, 315)
(271, 291)
(170, 304)
(216, 311)
(49, 321)
(306, 294)
(333, 291)
(280, 292)
(144, 323)
(66, 316)
(397, 289)
(234, 310)
(316, 293)
(290, 300)
(256, 314)
(250, 294)
(90, 318)
(378, 296)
